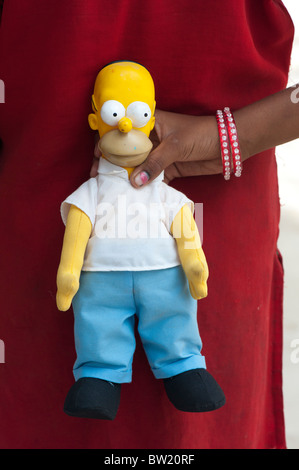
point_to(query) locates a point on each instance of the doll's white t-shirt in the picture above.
(130, 227)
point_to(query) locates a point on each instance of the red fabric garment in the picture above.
(202, 58)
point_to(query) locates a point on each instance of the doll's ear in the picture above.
(93, 121)
(153, 119)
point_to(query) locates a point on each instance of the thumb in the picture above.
(156, 162)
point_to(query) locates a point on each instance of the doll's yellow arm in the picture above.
(193, 260)
(77, 233)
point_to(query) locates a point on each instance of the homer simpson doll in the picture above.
(130, 253)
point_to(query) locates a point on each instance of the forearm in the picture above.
(184, 230)
(269, 122)
(77, 233)
(193, 261)
(76, 236)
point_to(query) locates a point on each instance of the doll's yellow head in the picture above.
(123, 105)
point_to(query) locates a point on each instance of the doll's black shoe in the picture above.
(194, 391)
(93, 398)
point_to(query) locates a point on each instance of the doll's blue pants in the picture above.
(105, 309)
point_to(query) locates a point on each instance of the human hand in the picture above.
(96, 157)
(183, 146)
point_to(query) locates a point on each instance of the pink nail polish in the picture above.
(142, 178)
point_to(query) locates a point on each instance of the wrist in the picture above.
(211, 136)
(245, 131)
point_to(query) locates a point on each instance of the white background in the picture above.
(288, 172)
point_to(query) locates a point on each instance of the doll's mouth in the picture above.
(125, 149)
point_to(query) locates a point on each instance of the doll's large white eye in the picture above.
(112, 111)
(139, 113)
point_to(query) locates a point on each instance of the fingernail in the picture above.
(142, 178)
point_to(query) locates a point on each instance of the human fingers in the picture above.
(94, 168)
(97, 154)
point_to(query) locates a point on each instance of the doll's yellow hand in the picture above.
(191, 255)
(67, 287)
(77, 233)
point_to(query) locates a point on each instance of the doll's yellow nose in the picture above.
(125, 125)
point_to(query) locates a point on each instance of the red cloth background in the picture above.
(202, 57)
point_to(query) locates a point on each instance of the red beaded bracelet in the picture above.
(224, 145)
(234, 142)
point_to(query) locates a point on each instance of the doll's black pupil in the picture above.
(145, 114)
(114, 114)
